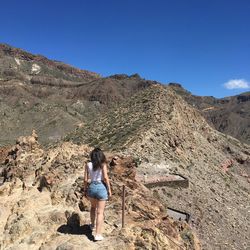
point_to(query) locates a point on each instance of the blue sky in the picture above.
(201, 44)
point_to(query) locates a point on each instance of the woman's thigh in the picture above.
(100, 206)
(93, 202)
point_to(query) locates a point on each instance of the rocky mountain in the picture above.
(52, 97)
(229, 115)
(153, 129)
(166, 135)
(42, 204)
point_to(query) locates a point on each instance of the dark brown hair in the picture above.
(97, 158)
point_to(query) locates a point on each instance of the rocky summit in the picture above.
(184, 160)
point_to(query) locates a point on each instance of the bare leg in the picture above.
(99, 219)
(93, 210)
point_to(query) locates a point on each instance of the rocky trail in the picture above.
(42, 204)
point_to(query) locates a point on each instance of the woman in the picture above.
(98, 191)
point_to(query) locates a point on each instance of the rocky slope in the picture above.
(229, 115)
(25, 66)
(165, 134)
(42, 204)
(52, 97)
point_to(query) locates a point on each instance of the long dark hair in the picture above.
(97, 158)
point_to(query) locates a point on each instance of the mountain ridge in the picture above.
(53, 101)
(41, 76)
(229, 115)
(34, 77)
(167, 135)
(7, 50)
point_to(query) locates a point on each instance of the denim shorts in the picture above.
(97, 190)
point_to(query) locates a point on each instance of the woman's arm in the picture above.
(106, 178)
(86, 177)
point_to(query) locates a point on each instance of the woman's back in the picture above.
(94, 175)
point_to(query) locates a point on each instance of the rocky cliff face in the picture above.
(168, 136)
(42, 204)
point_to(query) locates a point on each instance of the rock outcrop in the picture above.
(42, 205)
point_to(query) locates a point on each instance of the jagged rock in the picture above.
(84, 204)
(45, 182)
(28, 141)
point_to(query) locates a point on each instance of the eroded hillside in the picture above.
(52, 97)
(167, 135)
(229, 115)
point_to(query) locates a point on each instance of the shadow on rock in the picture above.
(85, 229)
(73, 227)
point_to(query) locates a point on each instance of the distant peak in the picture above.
(175, 85)
(125, 76)
(136, 75)
(4, 45)
(119, 76)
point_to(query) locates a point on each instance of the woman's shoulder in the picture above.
(89, 164)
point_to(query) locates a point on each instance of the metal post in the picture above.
(123, 205)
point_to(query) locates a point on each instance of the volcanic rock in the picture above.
(37, 217)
